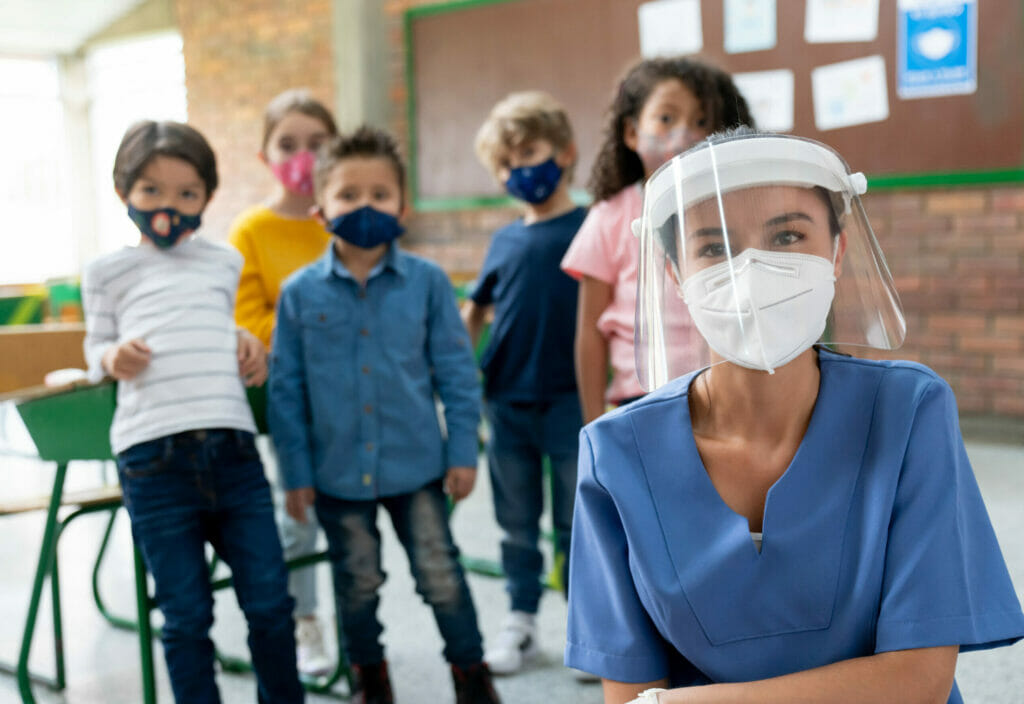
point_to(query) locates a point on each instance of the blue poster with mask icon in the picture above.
(938, 48)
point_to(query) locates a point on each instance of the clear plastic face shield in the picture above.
(763, 242)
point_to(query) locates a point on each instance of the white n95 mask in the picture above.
(762, 309)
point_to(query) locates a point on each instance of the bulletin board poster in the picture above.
(938, 48)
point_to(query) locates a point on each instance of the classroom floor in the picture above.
(102, 662)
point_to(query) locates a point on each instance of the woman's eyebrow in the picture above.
(705, 232)
(787, 217)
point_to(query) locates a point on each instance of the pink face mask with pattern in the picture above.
(654, 149)
(296, 173)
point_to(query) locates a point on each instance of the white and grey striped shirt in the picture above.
(180, 302)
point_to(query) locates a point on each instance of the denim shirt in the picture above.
(354, 372)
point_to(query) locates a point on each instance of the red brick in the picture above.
(955, 202)
(989, 344)
(1008, 199)
(956, 323)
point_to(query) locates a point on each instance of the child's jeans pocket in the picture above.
(145, 459)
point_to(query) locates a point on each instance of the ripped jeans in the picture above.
(420, 519)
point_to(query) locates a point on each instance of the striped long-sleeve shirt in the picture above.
(180, 302)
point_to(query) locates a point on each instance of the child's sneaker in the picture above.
(514, 645)
(311, 656)
(372, 684)
(473, 685)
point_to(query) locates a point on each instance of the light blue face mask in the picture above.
(534, 184)
(163, 226)
(366, 227)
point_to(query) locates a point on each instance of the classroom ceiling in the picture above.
(48, 27)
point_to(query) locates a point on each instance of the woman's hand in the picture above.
(252, 358)
(127, 360)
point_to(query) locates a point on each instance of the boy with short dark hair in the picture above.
(530, 384)
(365, 337)
(159, 318)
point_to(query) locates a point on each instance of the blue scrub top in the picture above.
(875, 539)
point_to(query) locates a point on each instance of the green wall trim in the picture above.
(951, 178)
(440, 8)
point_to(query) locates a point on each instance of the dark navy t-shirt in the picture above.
(530, 355)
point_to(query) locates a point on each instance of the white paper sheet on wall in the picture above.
(749, 25)
(850, 93)
(769, 95)
(670, 27)
(841, 21)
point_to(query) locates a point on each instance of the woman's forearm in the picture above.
(920, 676)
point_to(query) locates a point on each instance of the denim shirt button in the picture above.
(367, 479)
(369, 447)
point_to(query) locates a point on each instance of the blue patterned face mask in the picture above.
(534, 184)
(366, 227)
(164, 226)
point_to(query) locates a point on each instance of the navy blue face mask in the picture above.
(164, 226)
(534, 184)
(366, 227)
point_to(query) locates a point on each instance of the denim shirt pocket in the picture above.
(326, 332)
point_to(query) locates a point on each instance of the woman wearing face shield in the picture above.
(787, 524)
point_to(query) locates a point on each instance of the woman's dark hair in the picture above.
(294, 100)
(618, 166)
(366, 142)
(148, 138)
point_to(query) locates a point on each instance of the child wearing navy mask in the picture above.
(365, 337)
(159, 318)
(531, 403)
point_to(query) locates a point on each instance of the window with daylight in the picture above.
(34, 185)
(128, 80)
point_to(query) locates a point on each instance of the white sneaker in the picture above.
(514, 645)
(311, 657)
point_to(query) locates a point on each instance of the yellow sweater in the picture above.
(273, 247)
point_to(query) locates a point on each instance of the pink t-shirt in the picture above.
(605, 249)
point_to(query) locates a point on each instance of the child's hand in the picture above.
(459, 482)
(252, 358)
(298, 501)
(125, 361)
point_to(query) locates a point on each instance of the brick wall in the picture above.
(957, 257)
(238, 55)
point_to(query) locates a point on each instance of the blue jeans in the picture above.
(200, 486)
(420, 519)
(521, 435)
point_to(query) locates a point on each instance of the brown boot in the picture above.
(473, 685)
(372, 684)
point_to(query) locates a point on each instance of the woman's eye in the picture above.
(786, 237)
(286, 145)
(702, 122)
(666, 119)
(314, 144)
(381, 195)
(714, 249)
(150, 190)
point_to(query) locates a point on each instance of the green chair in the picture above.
(75, 425)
